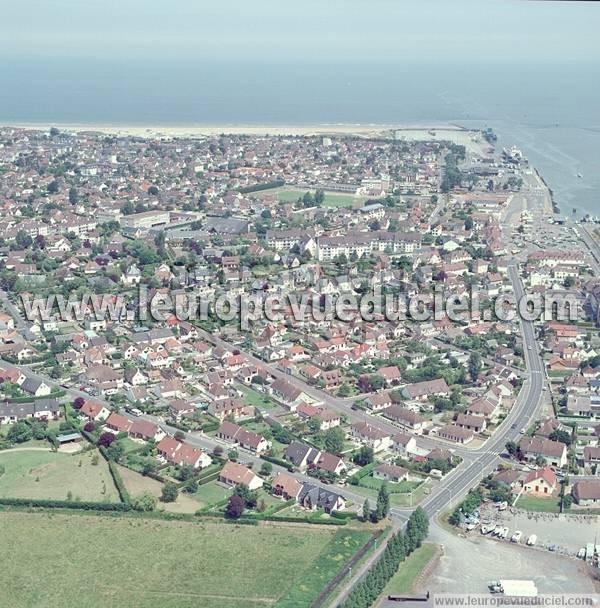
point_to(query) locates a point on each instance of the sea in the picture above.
(549, 110)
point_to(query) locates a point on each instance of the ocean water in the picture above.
(548, 110)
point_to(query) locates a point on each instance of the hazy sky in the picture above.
(324, 30)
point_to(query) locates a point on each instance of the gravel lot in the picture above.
(468, 564)
(568, 532)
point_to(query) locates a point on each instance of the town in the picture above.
(483, 426)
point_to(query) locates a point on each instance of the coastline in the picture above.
(192, 130)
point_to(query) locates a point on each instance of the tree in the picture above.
(382, 507)
(474, 365)
(144, 501)
(153, 191)
(78, 403)
(169, 492)
(366, 510)
(235, 507)
(73, 196)
(560, 435)
(266, 469)
(249, 496)
(333, 440)
(89, 426)
(23, 240)
(19, 432)
(364, 456)
(233, 455)
(53, 187)
(179, 435)
(512, 448)
(106, 439)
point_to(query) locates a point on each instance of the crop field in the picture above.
(55, 475)
(99, 561)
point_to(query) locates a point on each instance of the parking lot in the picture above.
(568, 533)
(468, 564)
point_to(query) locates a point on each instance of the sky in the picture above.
(307, 30)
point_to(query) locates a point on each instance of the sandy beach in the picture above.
(365, 130)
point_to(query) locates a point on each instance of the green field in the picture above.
(51, 475)
(62, 560)
(332, 199)
(533, 503)
(258, 400)
(404, 579)
(211, 492)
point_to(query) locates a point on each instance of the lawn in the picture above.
(404, 580)
(332, 199)
(258, 400)
(211, 492)
(533, 503)
(52, 475)
(99, 561)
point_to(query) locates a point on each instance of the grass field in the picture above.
(332, 199)
(210, 493)
(136, 483)
(101, 561)
(40, 474)
(533, 503)
(259, 400)
(404, 579)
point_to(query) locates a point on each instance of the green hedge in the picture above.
(278, 461)
(118, 480)
(65, 504)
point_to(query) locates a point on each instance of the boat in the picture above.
(580, 175)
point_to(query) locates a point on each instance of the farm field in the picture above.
(52, 475)
(173, 564)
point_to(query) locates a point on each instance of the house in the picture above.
(145, 430)
(229, 408)
(315, 497)
(248, 440)
(421, 391)
(390, 472)
(457, 434)
(179, 453)
(288, 394)
(180, 407)
(591, 456)
(587, 492)
(331, 463)
(391, 374)
(42, 409)
(35, 387)
(234, 474)
(371, 436)
(118, 423)
(542, 481)
(554, 452)
(286, 486)
(302, 455)
(407, 419)
(404, 444)
(471, 423)
(378, 401)
(93, 410)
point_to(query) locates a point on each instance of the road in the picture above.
(20, 324)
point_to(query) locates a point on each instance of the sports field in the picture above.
(55, 475)
(63, 560)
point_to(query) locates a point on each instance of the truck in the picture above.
(516, 537)
(516, 588)
(532, 540)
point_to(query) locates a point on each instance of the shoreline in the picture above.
(191, 130)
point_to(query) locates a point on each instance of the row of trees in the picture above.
(397, 549)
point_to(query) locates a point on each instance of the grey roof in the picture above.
(297, 452)
(317, 497)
